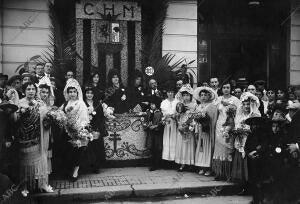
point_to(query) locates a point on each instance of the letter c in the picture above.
(85, 8)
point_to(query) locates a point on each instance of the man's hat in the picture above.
(256, 121)
(5, 105)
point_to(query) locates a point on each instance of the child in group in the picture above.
(185, 142)
(155, 132)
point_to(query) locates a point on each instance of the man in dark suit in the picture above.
(294, 135)
(259, 93)
(214, 84)
(256, 150)
(153, 94)
(39, 71)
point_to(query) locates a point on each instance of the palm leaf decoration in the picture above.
(62, 50)
(166, 67)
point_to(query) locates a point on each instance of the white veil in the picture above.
(254, 103)
(73, 83)
(46, 80)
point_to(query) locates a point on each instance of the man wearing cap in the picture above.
(26, 77)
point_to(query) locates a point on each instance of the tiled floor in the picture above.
(130, 176)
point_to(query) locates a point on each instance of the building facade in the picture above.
(228, 39)
(24, 32)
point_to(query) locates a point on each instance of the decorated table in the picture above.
(126, 140)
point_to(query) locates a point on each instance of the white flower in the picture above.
(140, 88)
(123, 90)
(142, 94)
(104, 106)
(94, 113)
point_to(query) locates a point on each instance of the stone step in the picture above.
(133, 191)
(118, 183)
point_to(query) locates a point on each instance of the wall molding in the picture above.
(179, 35)
(24, 45)
(24, 28)
(25, 10)
(182, 19)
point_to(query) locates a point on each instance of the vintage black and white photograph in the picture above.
(150, 101)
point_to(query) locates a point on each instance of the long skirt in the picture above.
(157, 146)
(203, 155)
(169, 141)
(94, 155)
(239, 172)
(47, 147)
(33, 167)
(222, 157)
(185, 149)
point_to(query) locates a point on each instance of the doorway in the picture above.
(234, 58)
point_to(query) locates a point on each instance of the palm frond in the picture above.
(63, 45)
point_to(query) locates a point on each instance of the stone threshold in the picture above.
(116, 183)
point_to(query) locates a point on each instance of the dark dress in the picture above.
(156, 134)
(136, 96)
(113, 99)
(280, 163)
(95, 152)
(257, 169)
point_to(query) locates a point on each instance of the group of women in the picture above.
(200, 128)
(35, 133)
(205, 142)
(231, 138)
